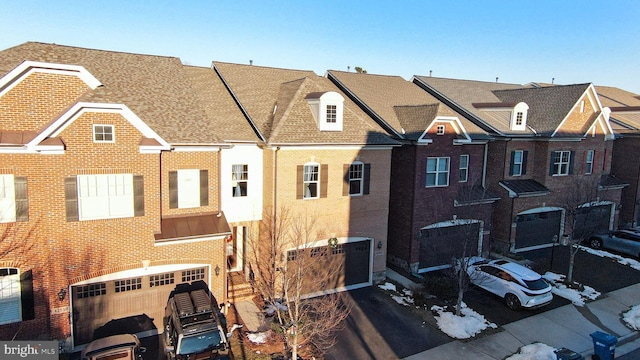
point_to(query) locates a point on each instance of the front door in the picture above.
(235, 249)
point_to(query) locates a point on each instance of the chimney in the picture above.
(496, 79)
(348, 68)
(250, 62)
(552, 80)
(430, 72)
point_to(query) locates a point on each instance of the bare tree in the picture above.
(578, 203)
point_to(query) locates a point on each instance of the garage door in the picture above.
(592, 218)
(140, 297)
(536, 229)
(326, 269)
(439, 244)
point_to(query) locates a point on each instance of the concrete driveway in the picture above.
(380, 328)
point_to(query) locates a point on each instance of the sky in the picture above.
(521, 41)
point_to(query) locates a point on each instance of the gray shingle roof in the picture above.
(524, 187)
(275, 99)
(156, 88)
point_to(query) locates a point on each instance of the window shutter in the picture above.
(71, 198)
(173, 189)
(512, 163)
(26, 295)
(22, 200)
(324, 180)
(423, 173)
(299, 181)
(524, 162)
(204, 187)
(553, 153)
(345, 180)
(367, 179)
(138, 195)
(572, 159)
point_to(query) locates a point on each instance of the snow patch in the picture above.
(461, 327)
(635, 264)
(388, 286)
(632, 317)
(258, 338)
(576, 296)
(535, 351)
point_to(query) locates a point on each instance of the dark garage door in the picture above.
(537, 228)
(327, 268)
(439, 245)
(590, 219)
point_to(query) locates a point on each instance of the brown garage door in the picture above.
(328, 268)
(139, 297)
(439, 245)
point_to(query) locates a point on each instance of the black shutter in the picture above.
(71, 198)
(553, 155)
(367, 179)
(26, 295)
(524, 162)
(324, 180)
(345, 179)
(173, 189)
(204, 187)
(138, 195)
(572, 159)
(512, 163)
(300, 182)
(22, 200)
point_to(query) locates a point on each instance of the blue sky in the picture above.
(519, 41)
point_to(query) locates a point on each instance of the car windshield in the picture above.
(536, 284)
(199, 343)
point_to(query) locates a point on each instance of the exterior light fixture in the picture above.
(333, 242)
(61, 294)
(380, 245)
(217, 270)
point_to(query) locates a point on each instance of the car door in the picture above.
(488, 279)
(628, 244)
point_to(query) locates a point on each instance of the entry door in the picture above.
(235, 249)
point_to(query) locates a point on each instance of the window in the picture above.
(560, 163)
(161, 279)
(239, 177)
(7, 198)
(91, 290)
(105, 196)
(356, 178)
(516, 164)
(10, 299)
(588, 167)
(440, 130)
(103, 133)
(188, 188)
(463, 174)
(128, 284)
(193, 275)
(332, 114)
(519, 118)
(437, 172)
(311, 181)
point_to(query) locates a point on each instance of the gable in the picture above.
(448, 127)
(587, 117)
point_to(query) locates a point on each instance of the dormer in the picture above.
(519, 117)
(327, 109)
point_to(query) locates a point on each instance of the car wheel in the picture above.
(512, 301)
(595, 243)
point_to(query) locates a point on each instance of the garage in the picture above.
(335, 267)
(441, 242)
(536, 229)
(592, 218)
(139, 293)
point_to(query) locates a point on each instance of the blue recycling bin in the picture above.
(604, 345)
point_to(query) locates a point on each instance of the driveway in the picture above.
(380, 328)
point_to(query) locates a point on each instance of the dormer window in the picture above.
(519, 116)
(103, 133)
(440, 130)
(327, 109)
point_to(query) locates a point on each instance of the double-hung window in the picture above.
(588, 166)
(356, 178)
(311, 181)
(437, 171)
(463, 174)
(516, 167)
(239, 179)
(561, 162)
(105, 196)
(10, 296)
(7, 198)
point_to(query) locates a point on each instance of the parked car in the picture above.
(121, 347)
(623, 241)
(519, 286)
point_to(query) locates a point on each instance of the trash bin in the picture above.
(604, 345)
(566, 354)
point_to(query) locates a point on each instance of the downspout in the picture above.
(484, 166)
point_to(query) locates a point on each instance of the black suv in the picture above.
(194, 327)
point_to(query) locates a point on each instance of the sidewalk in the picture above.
(568, 326)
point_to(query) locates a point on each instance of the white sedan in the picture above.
(519, 286)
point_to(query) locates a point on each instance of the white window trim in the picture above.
(519, 163)
(188, 188)
(316, 181)
(7, 198)
(558, 165)
(589, 162)
(437, 171)
(113, 133)
(361, 179)
(465, 168)
(10, 298)
(105, 196)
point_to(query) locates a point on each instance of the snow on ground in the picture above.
(461, 327)
(621, 259)
(632, 317)
(406, 298)
(258, 338)
(576, 296)
(535, 351)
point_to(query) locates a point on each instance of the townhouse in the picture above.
(110, 175)
(549, 142)
(625, 122)
(325, 160)
(439, 205)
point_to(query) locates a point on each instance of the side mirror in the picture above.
(143, 350)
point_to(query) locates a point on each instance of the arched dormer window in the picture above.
(327, 109)
(519, 116)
